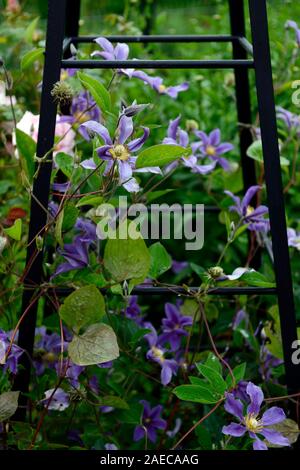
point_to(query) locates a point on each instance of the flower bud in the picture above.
(62, 93)
(215, 272)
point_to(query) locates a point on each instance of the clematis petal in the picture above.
(105, 44)
(88, 164)
(273, 415)
(173, 91)
(125, 171)
(237, 274)
(121, 51)
(256, 398)
(223, 148)
(233, 406)
(275, 437)
(173, 127)
(136, 144)
(92, 127)
(259, 445)
(250, 195)
(234, 429)
(132, 186)
(125, 129)
(215, 137)
(139, 433)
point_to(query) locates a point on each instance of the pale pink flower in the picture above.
(30, 125)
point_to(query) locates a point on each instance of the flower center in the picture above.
(249, 210)
(211, 150)
(253, 424)
(158, 353)
(162, 88)
(119, 152)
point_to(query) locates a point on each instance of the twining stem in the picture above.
(197, 424)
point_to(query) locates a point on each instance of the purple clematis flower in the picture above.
(109, 52)
(241, 317)
(157, 84)
(210, 146)
(83, 109)
(133, 311)
(59, 402)
(267, 363)
(251, 422)
(291, 120)
(177, 136)
(157, 354)
(293, 25)
(151, 421)
(110, 447)
(173, 326)
(118, 152)
(120, 52)
(293, 238)
(249, 215)
(11, 361)
(47, 348)
(76, 255)
(179, 266)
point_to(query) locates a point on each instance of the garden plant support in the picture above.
(62, 31)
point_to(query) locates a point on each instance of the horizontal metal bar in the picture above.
(246, 45)
(156, 64)
(158, 38)
(153, 290)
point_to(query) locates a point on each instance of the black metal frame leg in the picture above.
(267, 113)
(41, 186)
(243, 102)
(72, 22)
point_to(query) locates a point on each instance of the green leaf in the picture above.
(153, 195)
(97, 90)
(161, 155)
(288, 428)
(201, 272)
(58, 228)
(215, 379)
(70, 216)
(213, 362)
(273, 332)
(65, 163)
(127, 258)
(30, 57)
(253, 278)
(190, 307)
(30, 30)
(238, 373)
(161, 261)
(133, 415)
(15, 231)
(5, 185)
(83, 307)
(90, 201)
(27, 148)
(97, 345)
(255, 151)
(8, 405)
(196, 394)
(114, 401)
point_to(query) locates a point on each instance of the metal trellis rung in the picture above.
(62, 31)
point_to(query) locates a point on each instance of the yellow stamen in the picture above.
(252, 423)
(119, 152)
(158, 353)
(249, 211)
(162, 88)
(211, 150)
